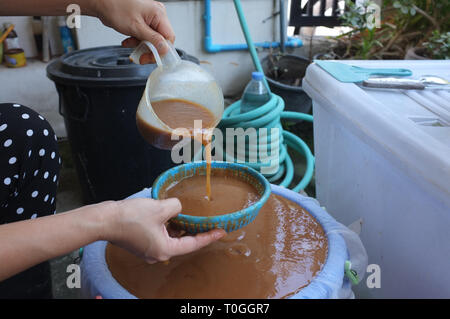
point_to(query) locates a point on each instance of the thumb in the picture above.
(188, 244)
(145, 32)
(169, 208)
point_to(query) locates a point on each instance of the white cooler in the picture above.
(383, 156)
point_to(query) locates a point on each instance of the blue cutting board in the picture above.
(351, 74)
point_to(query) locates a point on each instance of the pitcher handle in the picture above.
(170, 59)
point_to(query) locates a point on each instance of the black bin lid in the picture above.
(101, 66)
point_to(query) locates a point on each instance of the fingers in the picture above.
(131, 42)
(145, 32)
(147, 58)
(164, 27)
(188, 244)
(154, 26)
(169, 208)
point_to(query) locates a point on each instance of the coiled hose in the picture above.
(269, 116)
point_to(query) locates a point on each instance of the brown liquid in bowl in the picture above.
(229, 194)
(273, 257)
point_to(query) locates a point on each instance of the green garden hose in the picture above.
(269, 116)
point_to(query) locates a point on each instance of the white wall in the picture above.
(231, 69)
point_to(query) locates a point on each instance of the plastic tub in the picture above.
(99, 91)
(96, 279)
(383, 157)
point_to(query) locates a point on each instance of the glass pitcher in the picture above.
(176, 93)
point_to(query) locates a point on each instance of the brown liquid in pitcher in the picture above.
(275, 256)
(178, 113)
(182, 113)
(229, 194)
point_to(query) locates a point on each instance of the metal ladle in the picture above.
(424, 82)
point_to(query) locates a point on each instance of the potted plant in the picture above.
(284, 73)
(430, 19)
(362, 40)
(437, 47)
(405, 27)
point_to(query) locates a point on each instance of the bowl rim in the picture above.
(217, 164)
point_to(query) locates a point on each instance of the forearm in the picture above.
(26, 243)
(44, 7)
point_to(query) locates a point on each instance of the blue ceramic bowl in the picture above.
(229, 222)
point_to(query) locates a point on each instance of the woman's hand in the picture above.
(140, 19)
(134, 224)
(139, 225)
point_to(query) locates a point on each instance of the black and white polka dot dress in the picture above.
(29, 172)
(29, 164)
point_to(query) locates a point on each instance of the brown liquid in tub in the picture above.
(275, 256)
(178, 113)
(229, 194)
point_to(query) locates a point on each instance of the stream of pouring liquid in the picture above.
(178, 113)
(205, 137)
(207, 144)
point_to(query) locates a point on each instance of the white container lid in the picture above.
(411, 128)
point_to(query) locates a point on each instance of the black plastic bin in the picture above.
(99, 91)
(295, 99)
